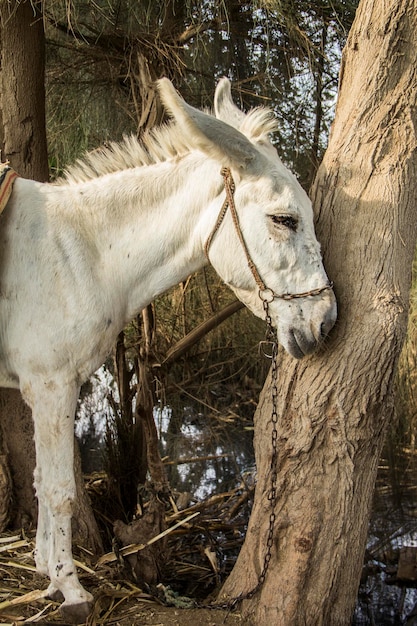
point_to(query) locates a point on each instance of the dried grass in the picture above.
(203, 541)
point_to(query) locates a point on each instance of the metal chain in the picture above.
(270, 339)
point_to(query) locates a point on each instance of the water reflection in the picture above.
(382, 599)
(203, 455)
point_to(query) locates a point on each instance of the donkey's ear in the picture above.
(224, 107)
(204, 132)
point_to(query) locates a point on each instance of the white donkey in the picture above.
(81, 257)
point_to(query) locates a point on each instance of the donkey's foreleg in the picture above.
(53, 408)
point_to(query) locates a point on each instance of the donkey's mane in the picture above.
(157, 145)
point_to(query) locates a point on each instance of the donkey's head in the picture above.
(263, 243)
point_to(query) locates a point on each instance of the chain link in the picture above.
(270, 338)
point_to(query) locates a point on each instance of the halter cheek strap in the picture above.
(265, 293)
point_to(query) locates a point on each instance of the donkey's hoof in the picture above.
(55, 594)
(76, 613)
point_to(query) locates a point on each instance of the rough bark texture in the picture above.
(23, 64)
(334, 407)
(18, 447)
(22, 105)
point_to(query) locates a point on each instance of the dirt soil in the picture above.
(129, 613)
(169, 616)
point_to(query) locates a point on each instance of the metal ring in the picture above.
(266, 293)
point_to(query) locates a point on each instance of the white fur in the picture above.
(80, 258)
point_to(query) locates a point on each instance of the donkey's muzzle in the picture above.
(303, 341)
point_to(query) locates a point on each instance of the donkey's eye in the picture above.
(285, 220)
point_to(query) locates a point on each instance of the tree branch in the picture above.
(200, 331)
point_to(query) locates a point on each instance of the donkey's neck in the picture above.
(149, 225)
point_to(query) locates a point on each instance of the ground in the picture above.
(204, 540)
(118, 601)
(168, 616)
(121, 612)
(112, 607)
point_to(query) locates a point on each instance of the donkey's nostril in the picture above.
(327, 324)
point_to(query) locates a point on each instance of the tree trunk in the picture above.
(22, 88)
(334, 408)
(22, 107)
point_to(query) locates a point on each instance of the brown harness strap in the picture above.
(7, 178)
(265, 293)
(229, 203)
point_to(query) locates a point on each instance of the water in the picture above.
(382, 600)
(217, 452)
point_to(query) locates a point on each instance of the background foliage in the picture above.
(103, 57)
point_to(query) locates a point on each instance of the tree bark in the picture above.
(22, 104)
(334, 408)
(22, 88)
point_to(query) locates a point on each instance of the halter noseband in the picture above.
(265, 293)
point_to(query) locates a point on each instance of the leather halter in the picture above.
(7, 178)
(265, 293)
